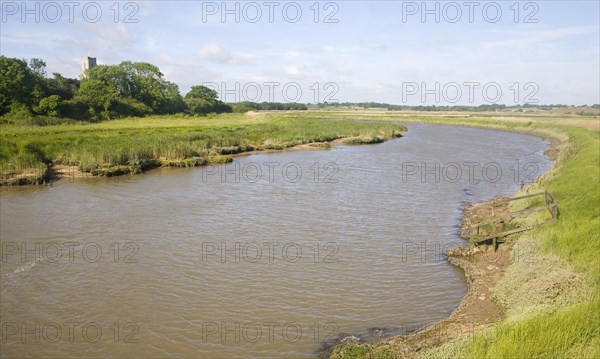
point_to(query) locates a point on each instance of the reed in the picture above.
(117, 147)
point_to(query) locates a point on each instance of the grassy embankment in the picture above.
(551, 290)
(135, 145)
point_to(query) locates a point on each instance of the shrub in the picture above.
(49, 106)
(75, 109)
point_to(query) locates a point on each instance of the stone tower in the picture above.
(87, 63)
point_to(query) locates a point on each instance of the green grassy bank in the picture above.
(550, 291)
(545, 319)
(134, 145)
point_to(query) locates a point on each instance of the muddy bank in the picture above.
(56, 172)
(30, 178)
(483, 267)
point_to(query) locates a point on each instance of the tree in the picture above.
(38, 66)
(172, 101)
(202, 92)
(98, 96)
(199, 106)
(49, 106)
(202, 100)
(64, 87)
(76, 109)
(130, 85)
(112, 77)
(18, 85)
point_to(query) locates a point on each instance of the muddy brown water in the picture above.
(268, 257)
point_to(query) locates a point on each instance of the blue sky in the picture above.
(379, 51)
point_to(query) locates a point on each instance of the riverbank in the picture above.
(59, 172)
(39, 154)
(549, 293)
(477, 312)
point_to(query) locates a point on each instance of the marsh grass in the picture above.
(365, 351)
(363, 140)
(323, 145)
(570, 333)
(134, 145)
(538, 283)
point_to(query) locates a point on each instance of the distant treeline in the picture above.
(270, 106)
(267, 106)
(480, 108)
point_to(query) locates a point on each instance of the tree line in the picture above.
(104, 92)
(268, 106)
(479, 108)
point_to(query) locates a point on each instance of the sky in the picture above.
(400, 52)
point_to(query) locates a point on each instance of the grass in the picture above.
(571, 333)
(538, 283)
(553, 319)
(365, 351)
(137, 144)
(552, 303)
(363, 140)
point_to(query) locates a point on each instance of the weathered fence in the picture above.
(500, 226)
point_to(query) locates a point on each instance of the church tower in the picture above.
(86, 64)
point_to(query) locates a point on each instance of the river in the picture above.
(267, 257)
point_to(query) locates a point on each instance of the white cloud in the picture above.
(216, 53)
(528, 38)
(293, 54)
(292, 71)
(150, 42)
